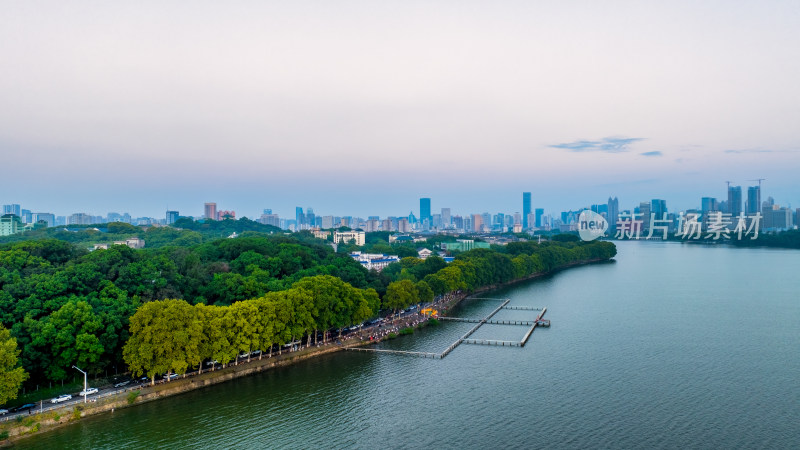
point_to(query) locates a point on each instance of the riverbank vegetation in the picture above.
(167, 309)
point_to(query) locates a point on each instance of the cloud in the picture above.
(757, 150)
(607, 145)
(654, 153)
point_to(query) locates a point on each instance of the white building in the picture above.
(358, 237)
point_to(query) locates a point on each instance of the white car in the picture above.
(3, 412)
(61, 398)
(88, 391)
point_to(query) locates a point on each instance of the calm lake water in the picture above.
(671, 346)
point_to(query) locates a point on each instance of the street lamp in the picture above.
(84, 382)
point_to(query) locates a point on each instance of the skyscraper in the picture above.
(12, 209)
(734, 200)
(210, 211)
(172, 216)
(613, 213)
(753, 204)
(446, 217)
(526, 209)
(424, 209)
(539, 214)
(659, 208)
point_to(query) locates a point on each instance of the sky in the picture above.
(361, 107)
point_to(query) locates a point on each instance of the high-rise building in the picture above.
(753, 204)
(613, 213)
(47, 218)
(539, 214)
(311, 219)
(659, 208)
(445, 217)
(708, 204)
(270, 219)
(172, 217)
(327, 222)
(10, 224)
(424, 209)
(526, 209)
(477, 223)
(734, 200)
(644, 210)
(210, 211)
(12, 209)
(299, 216)
(80, 219)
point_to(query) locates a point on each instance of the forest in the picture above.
(106, 309)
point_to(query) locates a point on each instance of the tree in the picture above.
(11, 375)
(71, 334)
(399, 294)
(166, 336)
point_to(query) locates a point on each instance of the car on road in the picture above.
(61, 398)
(212, 363)
(122, 383)
(3, 412)
(171, 376)
(24, 407)
(89, 391)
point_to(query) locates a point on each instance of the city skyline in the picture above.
(123, 107)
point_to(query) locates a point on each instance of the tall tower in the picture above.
(526, 209)
(211, 211)
(613, 213)
(446, 217)
(753, 204)
(424, 209)
(734, 200)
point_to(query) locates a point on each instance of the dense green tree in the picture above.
(166, 337)
(11, 374)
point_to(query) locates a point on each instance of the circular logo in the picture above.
(591, 225)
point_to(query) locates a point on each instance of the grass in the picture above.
(132, 396)
(406, 331)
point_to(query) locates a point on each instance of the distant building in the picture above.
(538, 220)
(210, 211)
(463, 245)
(445, 217)
(659, 208)
(734, 200)
(80, 219)
(613, 214)
(321, 234)
(10, 224)
(753, 203)
(423, 253)
(425, 209)
(270, 219)
(526, 209)
(225, 215)
(14, 209)
(376, 261)
(358, 237)
(47, 218)
(327, 222)
(172, 217)
(132, 243)
(776, 218)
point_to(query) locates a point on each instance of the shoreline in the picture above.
(54, 419)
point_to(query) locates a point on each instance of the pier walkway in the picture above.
(478, 323)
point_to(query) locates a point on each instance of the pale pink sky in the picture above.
(361, 107)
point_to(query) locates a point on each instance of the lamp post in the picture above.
(84, 382)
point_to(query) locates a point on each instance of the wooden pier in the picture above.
(530, 331)
(478, 323)
(489, 322)
(493, 342)
(523, 308)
